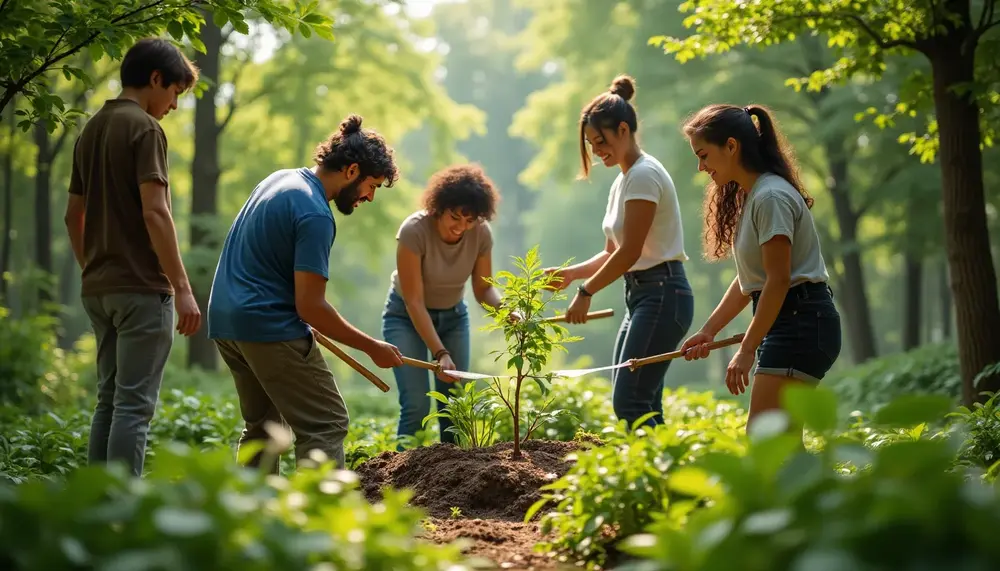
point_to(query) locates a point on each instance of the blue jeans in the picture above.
(659, 309)
(452, 326)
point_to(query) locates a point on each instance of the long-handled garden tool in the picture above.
(322, 340)
(632, 364)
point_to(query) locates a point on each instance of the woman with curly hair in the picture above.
(439, 248)
(644, 244)
(757, 209)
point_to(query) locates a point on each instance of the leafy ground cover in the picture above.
(889, 459)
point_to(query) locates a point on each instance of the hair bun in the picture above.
(351, 125)
(623, 86)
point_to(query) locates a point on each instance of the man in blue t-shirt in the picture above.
(269, 292)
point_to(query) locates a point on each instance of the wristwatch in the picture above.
(583, 291)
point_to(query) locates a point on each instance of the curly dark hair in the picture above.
(607, 111)
(762, 149)
(462, 188)
(366, 147)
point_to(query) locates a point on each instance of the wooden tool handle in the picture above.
(322, 340)
(420, 364)
(678, 353)
(591, 315)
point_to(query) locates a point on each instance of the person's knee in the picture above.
(135, 403)
(630, 409)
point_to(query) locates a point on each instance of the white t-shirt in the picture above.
(647, 180)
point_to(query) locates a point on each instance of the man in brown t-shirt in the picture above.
(121, 228)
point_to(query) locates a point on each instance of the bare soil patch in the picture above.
(491, 490)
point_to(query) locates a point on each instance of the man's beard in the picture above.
(348, 196)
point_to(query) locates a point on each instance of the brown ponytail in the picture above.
(762, 149)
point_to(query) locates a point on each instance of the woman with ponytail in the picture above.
(644, 243)
(757, 208)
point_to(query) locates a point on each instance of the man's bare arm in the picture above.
(163, 233)
(312, 307)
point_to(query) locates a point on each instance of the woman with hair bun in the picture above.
(644, 244)
(757, 209)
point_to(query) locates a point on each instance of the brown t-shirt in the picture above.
(445, 267)
(120, 147)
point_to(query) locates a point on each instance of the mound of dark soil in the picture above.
(508, 544)
(483, 483)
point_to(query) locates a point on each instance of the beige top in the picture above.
(775, 208)
(445, 267)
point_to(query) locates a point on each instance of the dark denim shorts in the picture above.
(805, 340)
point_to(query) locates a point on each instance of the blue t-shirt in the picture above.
(285, 226)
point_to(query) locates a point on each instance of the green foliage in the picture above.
(530, 339)
(865, 34)
(201, 511)
(34, 371)
(186, 417)
(369, 437)
(614, 490)
(48, 447)
(778, 507)
(55, 443)
(930, 369)
(584, 406)
(981, 427)
(37, 37)
(473, 413)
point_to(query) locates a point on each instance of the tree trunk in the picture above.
(43, 212)
(973, 277)
(857, 314)
(944, 297)
(8, 208)
(67, 289)
(912, 293)
(204, 189)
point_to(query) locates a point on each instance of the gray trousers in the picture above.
(288, 383)
(134, 333)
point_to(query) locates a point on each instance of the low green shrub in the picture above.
(54, 443)
(196, 419)
(615, 489)
(198, 510)
(981, 436)
(35, 374)
(584, 405)
(930, 369)
(473, 412)
(778, 507)
(47, 446)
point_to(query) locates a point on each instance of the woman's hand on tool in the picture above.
(446, 364)
(385, 355)
(578, 309)
(695, 346)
